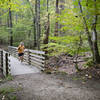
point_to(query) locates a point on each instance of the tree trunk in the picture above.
(16, 18)
(8, 20)
(62, 7)
(96, 56)
(38, 26)
(47, 31)
(56, 24)
(46, 39)
(35, 43)
(34, 21)
(10, 25)
(0, 19)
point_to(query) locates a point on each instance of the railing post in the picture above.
(6, 60)
(2, 61)
(29, 59)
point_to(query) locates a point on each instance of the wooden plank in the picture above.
(37, 52)
(41, 68)
(25, 60)
(12, 47)
(37, 56)
(37, 60)
(26, 56)
(37, 63)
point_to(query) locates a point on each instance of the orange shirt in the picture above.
(21, 49)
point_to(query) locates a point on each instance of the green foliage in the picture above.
(7, 93)
(9, 77)
(6, 90)
(65, 44)
(89, 63)
(89, 11)
(71, 21)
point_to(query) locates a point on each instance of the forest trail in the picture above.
(18, 68)
(41, 86)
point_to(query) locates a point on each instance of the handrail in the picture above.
(32, 57)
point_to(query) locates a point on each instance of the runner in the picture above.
(21, 51)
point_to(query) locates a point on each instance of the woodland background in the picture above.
(55, 26)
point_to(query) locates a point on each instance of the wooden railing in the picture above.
(32, 57)
(4, 62)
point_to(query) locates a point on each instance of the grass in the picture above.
(60, 72)
(7, 93)
(1, 80)
(9, 78)
(7, 90)
(89, 63)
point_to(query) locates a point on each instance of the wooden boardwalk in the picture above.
(34, 62)
(18, 68)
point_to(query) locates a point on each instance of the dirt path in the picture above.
(52, 87)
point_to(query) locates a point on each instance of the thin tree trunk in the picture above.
(34, 21)
(16, 18)
(10, 25)
(0, 19)
(8, 20)
(62, 7)
(56, 24)
(46, 39)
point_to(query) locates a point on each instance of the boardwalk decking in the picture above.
(18, 68)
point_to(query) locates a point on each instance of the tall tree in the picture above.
(10, 24)
(92, 37)
(56, 23)
(62, 7)
(34, 16)
(47, 26)
(38, 24)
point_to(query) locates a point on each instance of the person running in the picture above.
(21, 51)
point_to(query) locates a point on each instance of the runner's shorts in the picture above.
(20, 54)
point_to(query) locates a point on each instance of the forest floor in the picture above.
(65, 63)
